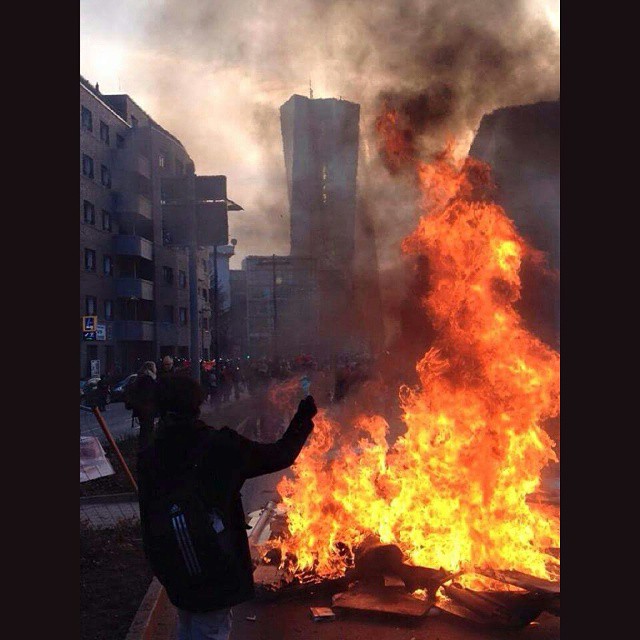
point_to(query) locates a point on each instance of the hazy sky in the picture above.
(214, 73)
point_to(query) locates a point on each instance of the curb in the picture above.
(110, 497)
(153, 603)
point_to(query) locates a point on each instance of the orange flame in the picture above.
(452, 491)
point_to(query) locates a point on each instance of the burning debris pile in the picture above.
(451, 492)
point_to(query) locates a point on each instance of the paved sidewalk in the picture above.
(108, 514)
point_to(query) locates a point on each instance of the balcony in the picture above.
(128, 203)
(134, 330)
(126, 245)
(143, 166)
(134, 288)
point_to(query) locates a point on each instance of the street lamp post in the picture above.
(275, 310)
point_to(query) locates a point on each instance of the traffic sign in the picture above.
(89, 335)
(89, 323)
(101, 332)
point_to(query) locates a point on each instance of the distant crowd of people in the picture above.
(229, 378)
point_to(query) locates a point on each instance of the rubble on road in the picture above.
(380, 581)
(322, 614)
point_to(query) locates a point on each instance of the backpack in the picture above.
(187, 543)
(128, 395)
(136, 397)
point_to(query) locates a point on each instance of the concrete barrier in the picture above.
(151, 608)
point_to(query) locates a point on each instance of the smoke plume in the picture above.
(215, 73)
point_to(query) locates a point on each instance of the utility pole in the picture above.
(193, 305)
(201, 325)
(214, 338)
(275, 310)
(193, 286)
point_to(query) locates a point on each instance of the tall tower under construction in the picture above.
(320, 139)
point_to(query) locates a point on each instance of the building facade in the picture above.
(303, 303)
(238, 341)
(132, 277)
(320, 143)
(282, 306)
(522, 146)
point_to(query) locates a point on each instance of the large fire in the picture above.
(452, 491)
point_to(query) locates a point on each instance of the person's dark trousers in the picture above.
(146, 430)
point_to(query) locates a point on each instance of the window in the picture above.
(87, 166)
(89, 259)
(89, 213)
(167, 275)
(167, 313)
(204, 266)
(205, 294)
(91, 305)
(104, 132)
(134, 121)
(87, 119)
(105, 176)
(106, 220)
(205, 323)
(183, 315)
(182, 279)
(107, 265)
(119, 141)
(108, 309)
(161, 160)
(92, 354)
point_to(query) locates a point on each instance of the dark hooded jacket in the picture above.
(230, 459)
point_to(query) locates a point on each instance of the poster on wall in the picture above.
(93, 461)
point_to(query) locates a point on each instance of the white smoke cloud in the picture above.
(215, 74)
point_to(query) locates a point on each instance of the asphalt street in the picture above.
(118, 420)
(290, 620)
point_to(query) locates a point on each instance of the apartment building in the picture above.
(133, 276)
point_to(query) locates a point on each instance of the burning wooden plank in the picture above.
(376, 599)
(448, 606)
(504, 608)
(524, 581)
